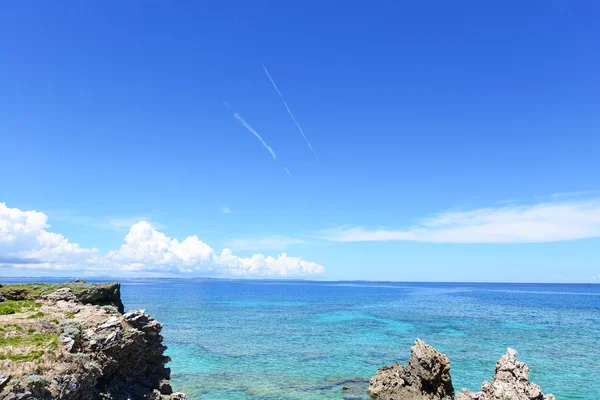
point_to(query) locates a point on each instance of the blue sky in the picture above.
(451, 141)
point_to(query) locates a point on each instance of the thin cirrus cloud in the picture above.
(538, 223)
(247, 126)
(290, 112)
(242, 121)
(226, 210)
(27, 242)
(104, 222)
(275, 242)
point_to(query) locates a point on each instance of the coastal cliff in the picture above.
(427, 377)
(72, 341)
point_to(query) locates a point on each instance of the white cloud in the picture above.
(24, 236)
(26, 242)
(146, 248)
(539, 223)
(226, 210)
(582, 193)
(258, 264)
(270, 242)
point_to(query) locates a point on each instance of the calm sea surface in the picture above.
(271, 340)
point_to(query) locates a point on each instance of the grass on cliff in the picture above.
(10, 327)
(29, 347)
(37, 315)
(31, 356)
(48, 340)
(35, 290)
(18, 306)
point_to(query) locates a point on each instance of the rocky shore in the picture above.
(427, 377)
(73, 341)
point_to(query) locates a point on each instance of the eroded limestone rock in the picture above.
(104, 354)
(425, 377)
(511, 382)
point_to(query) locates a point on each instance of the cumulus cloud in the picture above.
(24, 236)
(26, 242)
(539, 223)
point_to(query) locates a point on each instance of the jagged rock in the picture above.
(143, 322)
(68, 343)
(102, 294)
(425, 377)
(62, 294)
(111, 323)
(511, 382)
(4, 378)
(114, 356)
(164, 387)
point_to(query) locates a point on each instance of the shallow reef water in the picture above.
(303, 340)
(308, 340)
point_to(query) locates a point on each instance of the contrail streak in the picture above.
(247, 125)
(290, 112)
(287, 171)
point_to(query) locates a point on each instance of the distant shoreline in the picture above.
(107, 278)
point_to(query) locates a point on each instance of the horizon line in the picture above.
(116, 278)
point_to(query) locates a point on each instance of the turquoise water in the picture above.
(270, 340)
(305, 340)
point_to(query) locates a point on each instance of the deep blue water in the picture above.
(305, 340)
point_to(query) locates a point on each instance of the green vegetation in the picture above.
(38, 340)
(18, 306)
(35, 290)
(36, 343)
(37, 315)
(35, 380)
(70, 314)
(9, 327)
(32, 355)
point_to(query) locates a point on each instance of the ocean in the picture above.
(301, 340)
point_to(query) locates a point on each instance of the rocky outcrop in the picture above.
(66, 348)
(511, 382)
(103, 294)
(87, 293)
(425, 377)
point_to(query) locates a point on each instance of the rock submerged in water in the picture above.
(427, 377)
